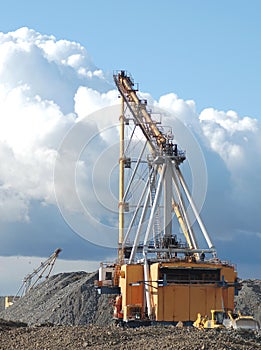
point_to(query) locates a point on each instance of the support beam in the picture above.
(195, 211)
(121, 184)
(154, 207)
(187, 230)
(168, 199)
(147, 286)
(140, 226)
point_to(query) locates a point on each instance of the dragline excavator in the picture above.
(167, 268)
(43, 270)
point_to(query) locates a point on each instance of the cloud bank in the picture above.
(47, 87)
(40, 77)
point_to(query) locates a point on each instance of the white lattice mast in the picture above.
(164, 161)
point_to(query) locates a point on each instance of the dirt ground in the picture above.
(112, 337)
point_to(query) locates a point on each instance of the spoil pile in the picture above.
(63, 299)
(249, 299)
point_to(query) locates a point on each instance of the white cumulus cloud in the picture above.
(227, 134)
(39, 77)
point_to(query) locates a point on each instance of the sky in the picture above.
(198, 59)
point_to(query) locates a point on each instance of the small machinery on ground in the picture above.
(226, 319)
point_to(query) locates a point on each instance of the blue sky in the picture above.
(205, 51)
(209, 51)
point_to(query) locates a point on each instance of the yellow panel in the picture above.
(214, 300)
(197, 301)
(172, 303)
(181, 303)
(158, 299)
(178, 302)
(131, 295)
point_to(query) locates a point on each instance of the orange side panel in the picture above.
(177, 302)
(198, 300)
(181, 303)
(132, 295)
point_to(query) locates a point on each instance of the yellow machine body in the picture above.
(131, 290)
(179, 290)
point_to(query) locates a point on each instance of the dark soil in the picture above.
(111, 337)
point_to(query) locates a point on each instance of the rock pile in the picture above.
(63, 299)
(249, 299)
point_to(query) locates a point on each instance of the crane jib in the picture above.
(159, 141)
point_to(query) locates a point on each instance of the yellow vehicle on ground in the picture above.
(226, 319)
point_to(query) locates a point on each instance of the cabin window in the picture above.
(189, 275)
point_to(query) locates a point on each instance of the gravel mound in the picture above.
(63, 299)
(249, 299)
